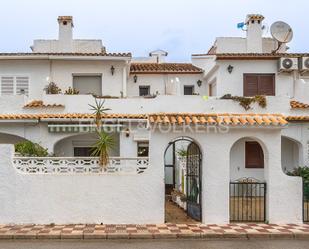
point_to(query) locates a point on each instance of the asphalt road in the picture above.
(154, 244)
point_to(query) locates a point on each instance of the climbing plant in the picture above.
(246, 102)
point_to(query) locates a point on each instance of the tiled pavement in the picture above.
(237, 231)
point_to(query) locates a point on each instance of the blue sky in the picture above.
(181, 27)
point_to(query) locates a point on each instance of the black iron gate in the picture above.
(193, 180)
(247, 201)
(305, 201)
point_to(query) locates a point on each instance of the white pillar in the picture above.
(284, 193)
(215, 182)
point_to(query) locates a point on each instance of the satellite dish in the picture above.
(281, 31)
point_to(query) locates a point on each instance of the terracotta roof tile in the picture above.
(68, 54)
(171, 68)
(298, 105)
(40, 104)
(254, 56)
(172, 118)
(298, 118)
(214, 119)
(70, 116)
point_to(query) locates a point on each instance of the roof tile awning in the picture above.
(298, 118)
(218, 119)
(69, 116)
(40, 104)
(298, 105)
(167, 68)
(168, 118)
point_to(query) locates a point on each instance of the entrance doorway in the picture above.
(182, 161)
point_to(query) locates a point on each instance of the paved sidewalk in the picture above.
(165, 231)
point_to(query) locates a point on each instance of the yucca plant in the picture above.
(102, 147)
(98, 110)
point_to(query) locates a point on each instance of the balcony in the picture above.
(168, 103)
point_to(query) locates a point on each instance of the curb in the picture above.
(126, 236)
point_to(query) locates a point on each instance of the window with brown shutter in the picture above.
(259, 84)
(254, 156)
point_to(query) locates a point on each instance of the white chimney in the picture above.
(65, 33)
(254, 33)
(158, 55)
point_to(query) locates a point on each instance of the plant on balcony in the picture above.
(98, 110)
(52, 88)
(28, 148)
(71, 91)
(246, 102)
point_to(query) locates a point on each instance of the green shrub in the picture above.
(28, 148)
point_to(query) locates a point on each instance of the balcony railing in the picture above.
(80, 165)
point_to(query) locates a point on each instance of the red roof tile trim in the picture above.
(150, 68)
(68, 54)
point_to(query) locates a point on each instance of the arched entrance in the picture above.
(247, 181)
(182, 164)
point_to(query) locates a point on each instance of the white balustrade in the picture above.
(80, 165)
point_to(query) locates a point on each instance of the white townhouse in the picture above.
(216, 137)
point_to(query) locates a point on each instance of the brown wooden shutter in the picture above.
(254, 156)
(259, 84)
(251, 84)
(266, 84)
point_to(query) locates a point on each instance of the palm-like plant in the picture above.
(98, 110)
(102, 147)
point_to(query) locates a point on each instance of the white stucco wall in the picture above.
(87, 198)
(284, 195)
(233, 82)
(78, 199)
(237, 163)
(157, 83)
(40, 72)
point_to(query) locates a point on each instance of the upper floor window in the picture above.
(188, 90)
(87, 84)
(259, 84)
(14, 85)
(144, 90)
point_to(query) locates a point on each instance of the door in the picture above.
(193, 178)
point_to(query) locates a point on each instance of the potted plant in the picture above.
(52, 88)
(71, 91)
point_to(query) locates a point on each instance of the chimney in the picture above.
(66, 33)
(158, 55)
(254, 33)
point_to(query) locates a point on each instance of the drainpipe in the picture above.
(124, 81)
(295, 78)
